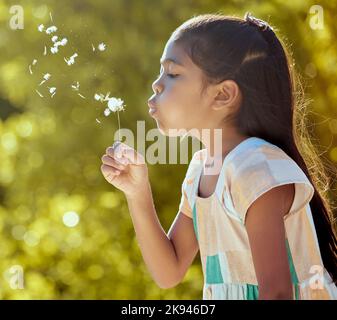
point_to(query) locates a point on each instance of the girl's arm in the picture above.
(167, 256)
(266, 233)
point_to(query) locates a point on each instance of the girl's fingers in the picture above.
(109, 171)
(117, 155)
(122, 152)
(112, 162)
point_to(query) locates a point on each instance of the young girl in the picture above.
(262, 227)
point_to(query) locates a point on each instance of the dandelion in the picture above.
(51, 29)
(101, 46)
(113, 105)
(40, 27)
(71, 60)
(54, 38)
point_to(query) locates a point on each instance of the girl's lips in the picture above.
(152, 111)
(152, 107)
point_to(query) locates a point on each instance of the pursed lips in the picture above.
(152, 106)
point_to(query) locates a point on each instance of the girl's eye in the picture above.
(170, 75)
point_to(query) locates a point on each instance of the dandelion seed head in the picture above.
(115, 104)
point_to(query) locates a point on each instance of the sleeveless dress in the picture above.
(252, 168)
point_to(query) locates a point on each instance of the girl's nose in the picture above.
(157, 87)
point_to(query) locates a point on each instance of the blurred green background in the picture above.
(67, 228)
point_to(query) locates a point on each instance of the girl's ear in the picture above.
(227, 94)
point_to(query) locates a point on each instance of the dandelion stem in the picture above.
(119, 131)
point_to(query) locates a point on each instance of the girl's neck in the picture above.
(221, 142)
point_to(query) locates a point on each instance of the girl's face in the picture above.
(177, 95)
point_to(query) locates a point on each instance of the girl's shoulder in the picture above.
(259, 166)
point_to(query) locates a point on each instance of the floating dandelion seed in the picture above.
(106, 98)
(107, 111)
(54, 50)
(101, 46)
(39, 93)
(63, 42)
(40, 27)
(30, 67)
(93, 48)
(52, 91)
(46, 77)
(98, 120)
(76, 86)
(45, 51)
(51, 17)
(97, 97)
(51, 29)
(83, 97)
(71, 60)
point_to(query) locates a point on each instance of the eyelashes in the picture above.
(170, 75)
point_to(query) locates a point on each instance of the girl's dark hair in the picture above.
(273, 104)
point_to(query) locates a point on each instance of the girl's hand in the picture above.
(124, 168)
